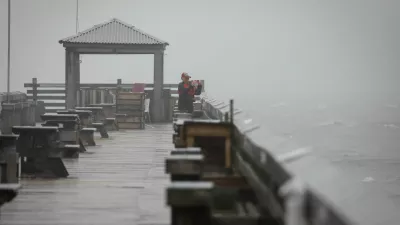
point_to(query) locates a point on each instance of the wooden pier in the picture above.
(119, 181)
(212, 172)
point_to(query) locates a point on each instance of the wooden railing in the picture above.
(282, 178)
(53, 94)
(15, 110)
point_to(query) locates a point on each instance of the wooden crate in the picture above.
(131, 96)
(139, 125)
(130, 108)
(133, 106)
(131, 119)
(130, 101)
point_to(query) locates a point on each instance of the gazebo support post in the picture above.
(158, 105)
(72, 78)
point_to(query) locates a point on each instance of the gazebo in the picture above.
(113, 37)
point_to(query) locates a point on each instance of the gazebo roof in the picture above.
(113, 32)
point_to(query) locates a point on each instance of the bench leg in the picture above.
(111, 125)
(9, 171)
(103, 132)
(47, 167)
(81, 146)
(116, 125)
(88, 139)
(91, 141)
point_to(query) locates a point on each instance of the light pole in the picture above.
(8, 54)
(77, 17)
(77, 24)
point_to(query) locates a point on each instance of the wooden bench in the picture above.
(184, 167)
(236, 206)
(100, 127)
(214, 138)
(186, 151)
(108, 108)
(177, 137)
(9, 159)
(98, 120)
(85, 117)
(39, 151)
(8, 192)
(56, 116)
(219, 201)
(87, 136)
(181, 115)
(190, 201)
(105, 115)
(197, 114)
(69, 133)
(188, 164)
(97, 112)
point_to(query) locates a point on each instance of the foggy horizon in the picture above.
(287, 48)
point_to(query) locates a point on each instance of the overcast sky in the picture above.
(262, 47)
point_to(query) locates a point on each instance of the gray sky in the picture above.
(276, 46)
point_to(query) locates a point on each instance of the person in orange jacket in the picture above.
(186, 94)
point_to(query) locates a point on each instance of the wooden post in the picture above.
(34, 89)
(231, 110)
(83, 98)
(71, 78)
(119, 82)
(157, 113)
(94, 97)
(102, 96)
(12, 165)
(78, 97)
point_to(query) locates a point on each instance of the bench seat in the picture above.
(71, 151)
(100, 127)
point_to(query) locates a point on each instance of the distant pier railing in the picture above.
(52, 95)
(15, 110)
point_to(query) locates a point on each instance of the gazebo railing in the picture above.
(53, 94)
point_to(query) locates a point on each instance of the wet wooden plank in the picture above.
(120, 181)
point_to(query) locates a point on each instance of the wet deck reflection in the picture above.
(120, 181)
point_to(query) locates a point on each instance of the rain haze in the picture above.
(318, 73)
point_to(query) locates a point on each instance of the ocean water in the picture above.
(359, 134)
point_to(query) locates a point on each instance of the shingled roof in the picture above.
(113, 32)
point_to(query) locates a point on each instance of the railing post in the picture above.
(83, 97)
(102, 96)
(94, 95)
(78, 97)
(34, 89)
(231, 109)
(107, 95)
(119, 83)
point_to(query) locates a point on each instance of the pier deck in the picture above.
(119, 181)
